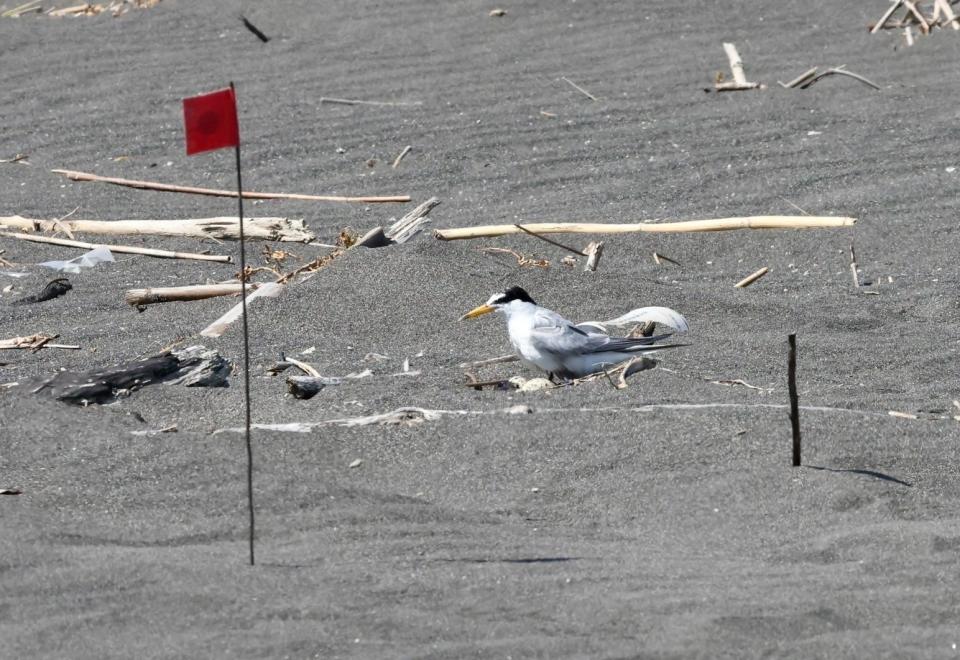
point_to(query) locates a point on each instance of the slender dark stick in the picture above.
(246, 349)
(551, 242)
(794, 398)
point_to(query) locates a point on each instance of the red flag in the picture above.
(211, 121)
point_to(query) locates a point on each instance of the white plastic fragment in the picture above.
(662, 315)
(86, 260)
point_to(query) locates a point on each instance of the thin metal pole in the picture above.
(246, 348)
(794, 398)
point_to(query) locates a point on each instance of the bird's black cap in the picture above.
(515, 293)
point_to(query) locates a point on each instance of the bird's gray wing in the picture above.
(554, 334)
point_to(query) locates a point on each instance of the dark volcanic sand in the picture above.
(593, 527)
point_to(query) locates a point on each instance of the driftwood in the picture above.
(721, 224)
(593, 252)
(400, 231)
(140, 297)
(151, 185)
(218, 327)
(34, 343)
(195, 366)
(268, 229)
(125, 249)
(736, 67)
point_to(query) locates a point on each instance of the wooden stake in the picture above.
(750, 279)
(794, 398)
(150, 185)
(721, 224)
(853, 268)
(268, 229)
(120, 249)
(140, 297)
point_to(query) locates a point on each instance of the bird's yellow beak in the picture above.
(478, 311)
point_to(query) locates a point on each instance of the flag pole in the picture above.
(246, 344)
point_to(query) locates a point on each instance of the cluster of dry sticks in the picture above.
(912, 15)
(216, 229)
(114, 7)
(803, 81)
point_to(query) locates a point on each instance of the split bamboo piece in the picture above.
(120, 249)
(268, 229)
(165, 187)
(719, 224)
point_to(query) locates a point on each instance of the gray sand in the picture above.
(604, 523)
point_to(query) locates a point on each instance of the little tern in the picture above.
(563, 349)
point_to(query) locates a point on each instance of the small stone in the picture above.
(356, 463)
(498, 12)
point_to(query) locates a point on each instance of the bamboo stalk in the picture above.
(165, 187)
(120, 249)
(719, 224)
(269, 229)
(193, 292)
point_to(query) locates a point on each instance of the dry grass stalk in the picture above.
(400, 156)
(338, 101)
(803, 77)
(579, 88)
(659, 258)
(164, 187)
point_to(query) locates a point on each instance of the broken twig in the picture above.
(751, 278)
